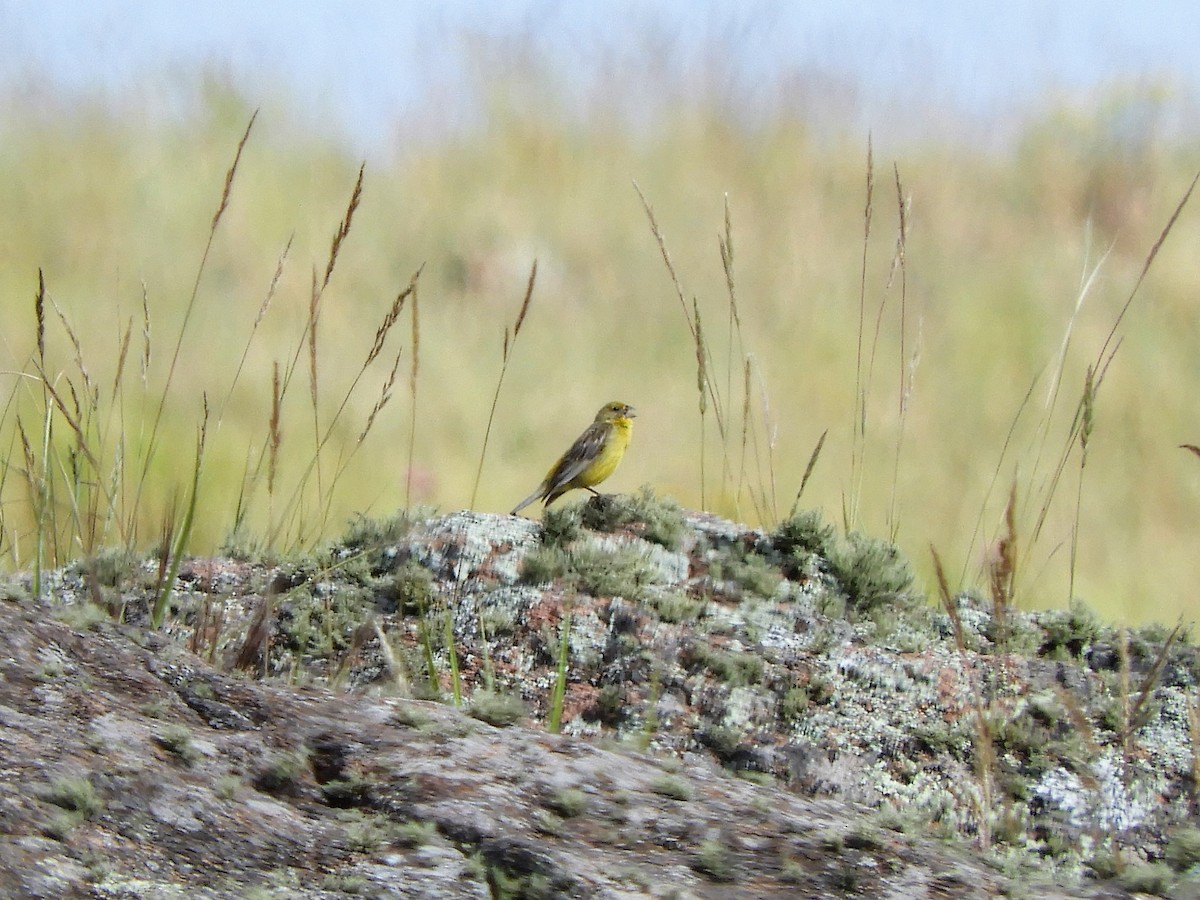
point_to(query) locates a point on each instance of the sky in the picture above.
(360, 67)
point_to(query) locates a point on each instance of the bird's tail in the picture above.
(534, 496)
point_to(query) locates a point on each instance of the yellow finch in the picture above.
(592, 458)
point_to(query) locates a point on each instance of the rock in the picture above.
(132, 766)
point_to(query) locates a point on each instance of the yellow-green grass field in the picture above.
(970, 335)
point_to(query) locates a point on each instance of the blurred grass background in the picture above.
(113, 208)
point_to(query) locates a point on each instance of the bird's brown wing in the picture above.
(582, 453)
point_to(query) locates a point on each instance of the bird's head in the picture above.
(615, 412)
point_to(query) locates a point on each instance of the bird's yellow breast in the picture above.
(609, 456)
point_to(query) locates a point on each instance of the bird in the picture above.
(592, 458)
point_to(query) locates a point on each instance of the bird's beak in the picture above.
(631, 412)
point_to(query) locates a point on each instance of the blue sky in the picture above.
(362, 66)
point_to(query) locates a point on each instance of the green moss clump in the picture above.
(84, 616)
(414, 833)
(283, 773)
(74, 794)
(593, 570)
(412, 586)
(716, 861)
(364, 532)
(677, 608)
(366, 832)
(409, 716)
(176, 739)
(672, 786)
(659, 520)
(723, 741)
(347, 793)
(1153, 878)
(497, 709)
(561, 525)
(609, 706)
(734, 668)
(750, 571)
(802, 535)
(78, 802)
(568, 802)
(111, 567)
(1067, 634)
(546, 564)
(1182, 851)
(873, 573)
(793, 705)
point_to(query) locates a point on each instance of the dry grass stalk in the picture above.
(39, 312)
(1082, 727)
(322, 433)
(70, 414)
(206, 631)
(362, 634)
(325, 493)
(413, 372)
(1104, 359)
(145, 334)
(984, 749)
(389, 659)
(1004, 448)
(505, 355)
(314, 315)
(1136, 712)
(166, 537)
(907, 367)
(389, 319)
(385, 395)
(726, 247)
(343, 230)
(858, 431)
(184, 535)
(262, 312)
(1002, 571)
(694, 328)
(1088, 281)
(662, 248)
(947, 600)
(808, 470)
(702, 392)
(152, 442)
(122, 353)
(228, 189)
(866, 381)
(771, 430)
(734, 328)
(718, 407)
(746, 423)
(255, 652)
(526, 301)
(1087, 423)
(274, 434)
(76, 347)
(37, 501)
(340, 235)
(764, 501)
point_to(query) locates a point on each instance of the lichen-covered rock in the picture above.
(115, 786)
(275, 713)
